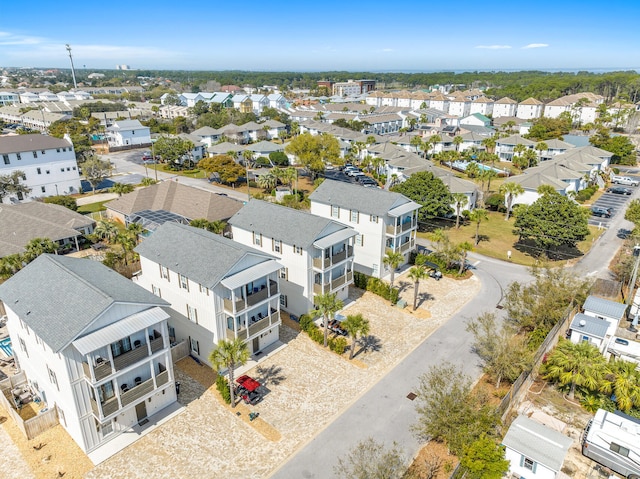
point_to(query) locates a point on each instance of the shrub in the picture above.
(379, 287)
(587, 193)
(306, 321)
(337, 345)
(278, 158)
(360, 280)
(616, 171)
(222, 385)
(263, 161)
(66, 201)
(495, 202)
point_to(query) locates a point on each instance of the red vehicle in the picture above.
(248, 389)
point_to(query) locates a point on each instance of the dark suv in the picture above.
(602, 212)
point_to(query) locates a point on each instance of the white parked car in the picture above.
(624, 180)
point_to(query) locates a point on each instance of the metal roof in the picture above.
(335, 238)
(589, 325)
(537, 442)
(404, 209)
(120, 329)
(605, 307)
(251, 274)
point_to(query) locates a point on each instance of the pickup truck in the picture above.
(624, 180)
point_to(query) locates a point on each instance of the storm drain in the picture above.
(411, 396)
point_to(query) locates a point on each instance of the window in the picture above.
(23, 346)
(195, 345)
(106, 428)
(69, 169)
(192, 314)
(359, 240)
(376, 270)
(18, 156)
(283, 300)
(73, 168)
(528, 463)
(284, 273)
(164, 272)
(373, 218)
(39, 171)
(623, 451)
(52, 377)
(335, 211)
(297, 250)
(354, 216)
(43, 189)
(6, 159)
(61, 415)
(106, 391)
(277, 246)
(155, 290)
(184, 282)
(122, 346)
(58, 150)
(35, 154)
(257, 239)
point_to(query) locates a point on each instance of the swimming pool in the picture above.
(462, 166)
(5, 346)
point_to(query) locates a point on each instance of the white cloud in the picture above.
(7, 38)
(387, 49)
(535, 45)
(494, 47)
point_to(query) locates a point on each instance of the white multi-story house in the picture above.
(259, 102)
(218, 288)
(276, 100)
(316, 253)
(505, 147)
(94, 346)
(8, 98)
(529, 109)
(128, 132)
(505, 107)
(48, 164)
(383, 220)
(482, 105)
(459, 106)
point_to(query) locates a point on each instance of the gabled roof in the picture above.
(594, 327)
(265, 147)
(605, 307)
(367, 200)
(224, 148)
(515, 140)
(127, 125)
(537, 442)
(19, 143)
(506, 101)
(204, 257)
(192, 203)
(23, 222)
(595, 151)
(556, 144)
(205, 131)
(453, 183)
(581, 156)
(293, 227)
(531, 101)
(533, 181)
(554, 170)
(58, 297)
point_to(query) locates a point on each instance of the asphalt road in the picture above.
(384, 412)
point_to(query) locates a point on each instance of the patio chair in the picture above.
(138, 381)
(137, 343)
(124, 387)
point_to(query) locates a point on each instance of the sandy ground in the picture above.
(307, 387)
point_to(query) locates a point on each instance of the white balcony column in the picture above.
(91, 362)
(147, 340)
(110, 357)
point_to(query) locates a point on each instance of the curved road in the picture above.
(384, 412)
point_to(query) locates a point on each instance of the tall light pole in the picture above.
(73, 70)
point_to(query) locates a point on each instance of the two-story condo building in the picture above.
(383, 220)
(128, 133)
(316, 253)
(91, 344)
(48, 165)
(218, 288)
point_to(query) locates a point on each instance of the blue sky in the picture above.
(280, 35)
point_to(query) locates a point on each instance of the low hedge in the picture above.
(337, 345)
(222, 385)
(587, 193)
(376, 286)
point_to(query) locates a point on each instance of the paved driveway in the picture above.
(308, 388)
(618, 203)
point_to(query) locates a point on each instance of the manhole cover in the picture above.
(411, 396)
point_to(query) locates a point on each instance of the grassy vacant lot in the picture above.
(92, 207)
(496, 238)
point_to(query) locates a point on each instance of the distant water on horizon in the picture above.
(513, 70)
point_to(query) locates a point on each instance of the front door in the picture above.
(141, 411)
(256, 345)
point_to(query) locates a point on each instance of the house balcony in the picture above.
(255, 327)
(407, 246)
(137, 392)
(396, 230)
(324, 263)
(252, 299)
(334, 284)
(101, 371)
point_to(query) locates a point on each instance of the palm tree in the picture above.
(127, 241)
(229, 354)
(393, 259)
(433, 139)
(36, 247)
(216, 226)
(355, 325)
(473, 170)
(463, 249)
(327, 304)
(489, 175)
(11, 184)
(575, 364)
(106, 230)
(457, 141)
(541, 146)
(489, 144)
(477, 216)
(519, 149)
(459, 201)
(136, 229)
(416, 142)
(268, 181)
(416, 274)
(623, 381)
(121, 188)
(510, 190)
(10, 265)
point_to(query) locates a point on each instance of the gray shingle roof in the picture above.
(58, 297)
(23, 222)
(367, 200)
(537, 442)
(18, 143)
(293, 227)
(604, 307)
(200, 255)
(589, 325)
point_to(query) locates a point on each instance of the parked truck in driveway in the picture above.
(624, 180)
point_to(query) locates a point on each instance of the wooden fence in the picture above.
(179, 351)
(31, 427)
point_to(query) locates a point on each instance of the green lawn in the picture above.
(92, 207)
(497, 238)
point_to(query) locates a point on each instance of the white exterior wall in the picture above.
(528, 112)
(441, 105)
(459, 108)
(588, 114)
(130, 137)
(45, 171)
(613, 322)
(528, 198)
(579, 336)
(482, 108)
(7, 98)
(504, 109)
(514, 458)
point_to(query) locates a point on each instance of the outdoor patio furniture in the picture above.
(99, 360)
(124, 387)
(138, 381)
(137, 343)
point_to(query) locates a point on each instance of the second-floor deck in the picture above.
(334, 284)
(251, 299)
(255, 327)
(324, 263)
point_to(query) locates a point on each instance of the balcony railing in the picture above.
(252, 299)
(393, 230)
(333, 284)
(321, 263)
(324, 263)
(106, 408)
(156, 344)
(407, 246)
(162, 378)
(130, 357)
(136, 392)
(255, 327)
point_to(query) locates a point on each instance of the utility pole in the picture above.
(632, 284)
(73, 70)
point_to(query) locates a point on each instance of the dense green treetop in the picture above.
(428, 190)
